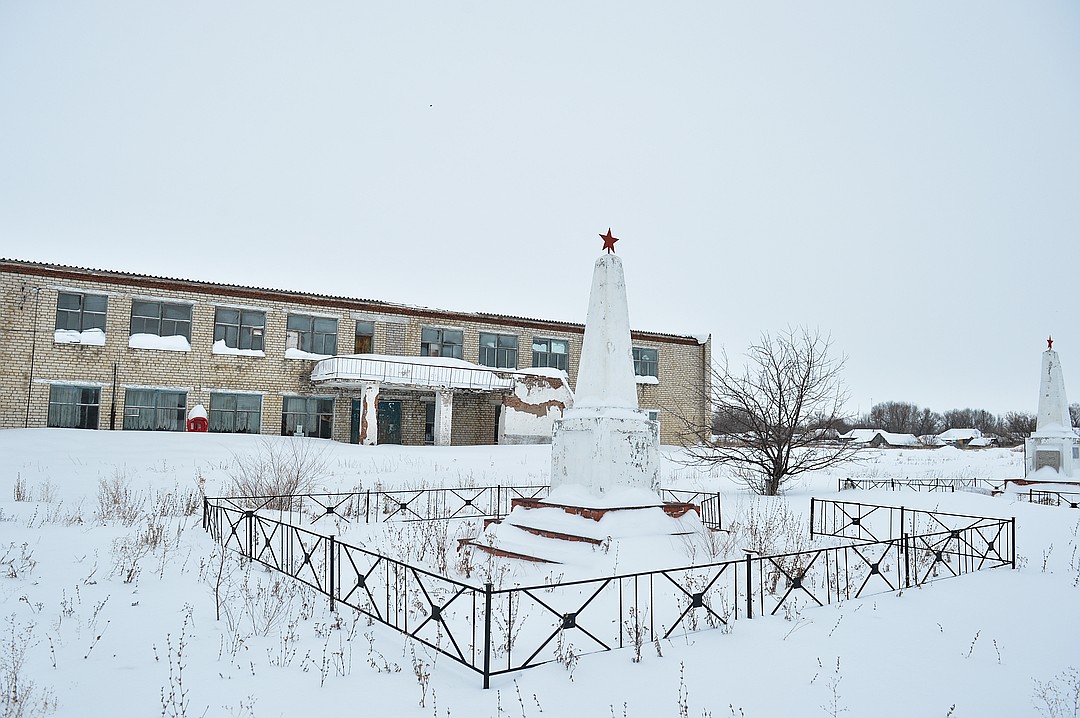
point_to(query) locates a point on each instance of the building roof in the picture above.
(61, 271)
(866, 436)
(959, 435)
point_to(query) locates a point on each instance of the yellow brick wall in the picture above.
(26, 343)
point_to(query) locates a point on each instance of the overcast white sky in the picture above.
(903, 175)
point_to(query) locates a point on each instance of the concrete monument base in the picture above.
(598, 451)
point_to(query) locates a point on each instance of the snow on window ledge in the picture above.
(153, 341)
(646, 379)
(221, 348)
(292, 353)
(90, 337)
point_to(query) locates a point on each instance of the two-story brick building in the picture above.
(97, 349)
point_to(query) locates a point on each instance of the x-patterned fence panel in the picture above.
(1047, 497)
(405, 505)
(923, 485)
(532, 625)
(499, 630)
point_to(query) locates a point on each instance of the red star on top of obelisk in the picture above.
(609, 241)
(1049, 343)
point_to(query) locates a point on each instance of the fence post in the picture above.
(1012, 531)
(367, 506)
(907, 559)
(205, 513)
(250, 534)
(487, 635)
(331, 583)
(812, 502)
(749, 589)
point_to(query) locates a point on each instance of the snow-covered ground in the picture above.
(117, 617)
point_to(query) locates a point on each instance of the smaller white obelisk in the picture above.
(1054, 443)
(605, 441)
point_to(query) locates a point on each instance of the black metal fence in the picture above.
(1048, 497)
(383, 505)
(499, 629)
(906, 484)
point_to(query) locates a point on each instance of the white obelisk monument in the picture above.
(1055, 443)
(605, 442)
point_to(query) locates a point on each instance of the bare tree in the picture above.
(899, 417)
(772, 418)
(927, 423)
(1017, 426)
(1074, 414)
(980, 419)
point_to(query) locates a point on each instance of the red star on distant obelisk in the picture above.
(1049, 343)
(609, 241)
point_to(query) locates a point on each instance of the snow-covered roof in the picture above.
(959, 435)
(431, 372)
(899, 439)
(865, 436)
(859, 435)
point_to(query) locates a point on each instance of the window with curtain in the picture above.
(74, 407)
(235, 413)
(155, 410)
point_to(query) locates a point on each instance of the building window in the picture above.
(441, 342)
(161, 319)
(429, 423)
(305, 416)
(235, 413)
(155, 410)
(645, 362)
(80, 312)
(240, 328)
(653, 414)
(315, 335)
(74, 407)
(498, 350)
(365, 338)
(550, 353)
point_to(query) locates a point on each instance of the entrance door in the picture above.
(354, 425)
(389, 414)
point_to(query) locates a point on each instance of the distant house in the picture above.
(958, 437)
(878, 438)
(858, 436)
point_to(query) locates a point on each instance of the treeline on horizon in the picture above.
(901, 417)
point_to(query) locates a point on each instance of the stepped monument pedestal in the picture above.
(605, 454)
